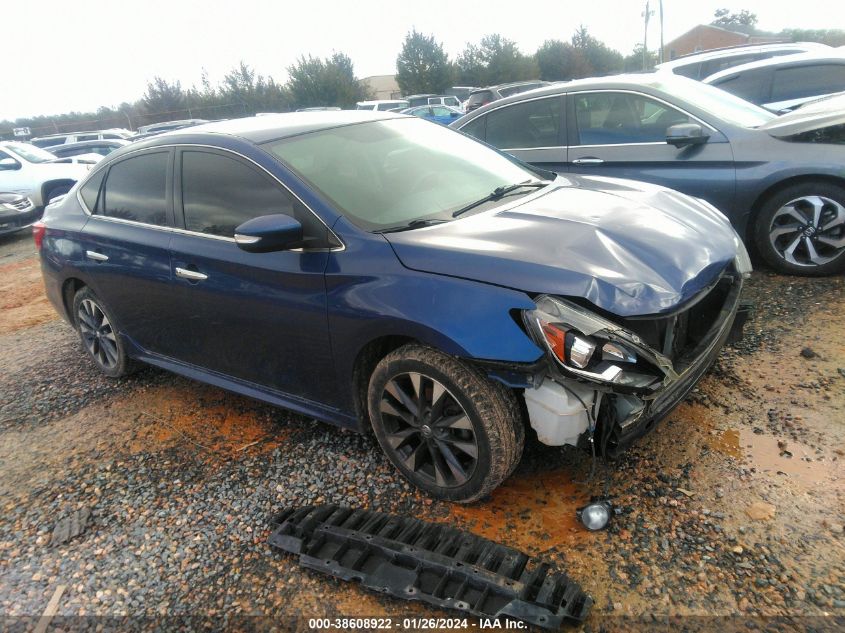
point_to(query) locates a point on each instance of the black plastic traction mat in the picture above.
(416, 560)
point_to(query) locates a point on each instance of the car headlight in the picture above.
(583, 344)
(742, 261)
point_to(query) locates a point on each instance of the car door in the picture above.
(623, 134)
(125, 244)
(442, 114)
(532, 130)
(255, 317)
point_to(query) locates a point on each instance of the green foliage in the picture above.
(422, 65)
(496, 60)
(728, 20)
(634, 62)
(331, 82)
(600, 59)
(560, 61)
(163, 97)
(831, 37)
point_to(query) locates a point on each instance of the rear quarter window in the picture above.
(136, 189)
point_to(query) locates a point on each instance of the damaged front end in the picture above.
(613, 380)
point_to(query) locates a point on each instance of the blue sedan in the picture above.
(438, 113)
(376, 272)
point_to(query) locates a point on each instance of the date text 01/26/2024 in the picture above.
(413, 624)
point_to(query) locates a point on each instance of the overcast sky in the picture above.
(62, 55)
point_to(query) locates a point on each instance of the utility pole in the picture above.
(660, 57)
(646, 14)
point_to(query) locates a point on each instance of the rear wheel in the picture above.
(100, 335)
(445, 426)
(801, 229)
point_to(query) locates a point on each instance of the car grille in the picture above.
(21, 205)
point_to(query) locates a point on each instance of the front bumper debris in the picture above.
(437, 564)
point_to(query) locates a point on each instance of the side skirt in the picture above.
(276, 398)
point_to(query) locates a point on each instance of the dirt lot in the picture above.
(733, 507)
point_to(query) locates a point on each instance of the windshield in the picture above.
(724, 105)
(384, 174)
(30, 153)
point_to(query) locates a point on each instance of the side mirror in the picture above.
(9, 164)
(269, 233)
(683, 134)
(454, 115)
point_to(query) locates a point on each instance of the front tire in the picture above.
(801, 229)
(443, 424)
(99, 334)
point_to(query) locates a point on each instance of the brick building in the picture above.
(705, 37)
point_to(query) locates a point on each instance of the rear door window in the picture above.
(219, 193)
(809, 80)
(528, 124)
(136, 189)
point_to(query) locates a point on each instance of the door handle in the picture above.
(97, 257)
(190, 275)
(587, 161)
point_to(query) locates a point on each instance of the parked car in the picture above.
(432, 99)
(101, 148)
(36, 173)
(166, 126)
(783, 191)
(16, 212)
(382, 105)
(376, 271)
(483, 96)
(461, 92)
(75, 137)
(705, 63)
(781, 84)
(437, 113)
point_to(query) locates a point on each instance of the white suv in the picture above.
(382, 105)
(31, 171)
(75, 137)
(703, 64)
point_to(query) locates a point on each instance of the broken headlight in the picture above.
(585, 344)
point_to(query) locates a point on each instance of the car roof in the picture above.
(728, 51)
(834, 55)
(271, 127)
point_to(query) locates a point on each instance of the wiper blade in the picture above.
(413, 224)
(500, 192)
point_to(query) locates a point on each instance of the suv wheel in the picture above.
(445, 426)
(801, 230)
(99, 335)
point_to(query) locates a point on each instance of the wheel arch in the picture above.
(51, 184)
(776, 188)
(70, 287)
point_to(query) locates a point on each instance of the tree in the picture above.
(560, 61)
(496, 60)
(634, 61)
(599, 58)
(331, 82)
(162, 99)
(422, 65)
(831, 37)
(744, 21)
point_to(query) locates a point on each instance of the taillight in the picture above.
(38, 231)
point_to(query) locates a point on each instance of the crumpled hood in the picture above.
(627, 247)
(813, 116)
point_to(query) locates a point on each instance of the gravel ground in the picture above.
(733, 508)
